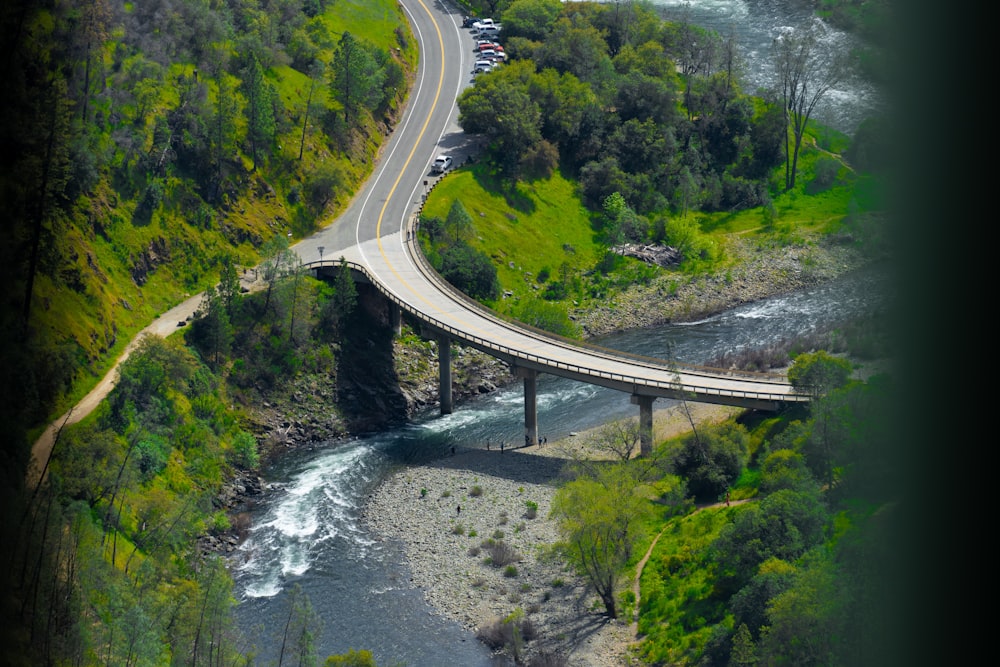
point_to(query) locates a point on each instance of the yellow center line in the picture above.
(423, 130)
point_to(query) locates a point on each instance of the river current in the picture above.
(307, 531)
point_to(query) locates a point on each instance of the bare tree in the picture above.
(620, 438)
(806, 72)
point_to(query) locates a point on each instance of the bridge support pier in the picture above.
(530, 378)
(444, 374)
(645, 423)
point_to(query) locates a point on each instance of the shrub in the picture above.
(446, 494)
(476, 491)
(498, 534)
(532, 510)
(474, 551)
(510, 571)
(501, 553)
(458, 529)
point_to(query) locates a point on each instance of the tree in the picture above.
(600, 519)
(531, 19)
(711, 459)
(618, 438)
(351, 659)
(299, 635)
(500, 108)
(805, 74)
(783, 525)
(261, 97)
(818, 373)
(357, 79)
(315, 72)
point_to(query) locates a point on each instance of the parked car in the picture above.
(469, 21)
(441, 164)
(482, 66)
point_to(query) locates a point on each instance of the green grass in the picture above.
(677, 603)
(540, 225)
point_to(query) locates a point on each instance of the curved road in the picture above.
(373, 235)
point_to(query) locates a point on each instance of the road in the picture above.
(373, 234)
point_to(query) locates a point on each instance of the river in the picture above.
(754, 24)
(308, 530)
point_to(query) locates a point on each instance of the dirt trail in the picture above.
(649, 552)
(163, 326)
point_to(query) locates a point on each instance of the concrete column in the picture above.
(645, 423)
(395, 319)
(530, 378)
(444, 373)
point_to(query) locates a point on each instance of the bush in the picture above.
(510, 571)
(476, 491)
(532, 511)
(501, 554)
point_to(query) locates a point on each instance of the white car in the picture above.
(441, 164)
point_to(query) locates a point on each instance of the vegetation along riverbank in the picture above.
(152, 161)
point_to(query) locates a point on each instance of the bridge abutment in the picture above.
(530, 378)
(645, 423)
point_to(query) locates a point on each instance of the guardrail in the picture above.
(674, 368)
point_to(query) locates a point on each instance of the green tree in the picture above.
(743, 652)
(711, 459)
(531, 19)
(298, 641)
(806, 622)
(783, 525)
(818, 373)
(470, 271)
(785, 469)
(356, 77)
(500, 108)
(749, 605)
(212, 331)
(261, 98)
(600, 521)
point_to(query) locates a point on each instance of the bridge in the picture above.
(376, 237)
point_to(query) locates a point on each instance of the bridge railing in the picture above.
(675, 368)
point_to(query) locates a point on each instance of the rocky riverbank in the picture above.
(445, 512)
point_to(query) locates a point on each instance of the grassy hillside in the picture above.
(537, 232)
(155, 182)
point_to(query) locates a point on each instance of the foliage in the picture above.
(710, 459)
(600, 521)
(782, 525)
(818, 373)
(171, 156)
(352, 658)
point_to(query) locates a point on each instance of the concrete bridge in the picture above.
(376, 236)
(395, 267)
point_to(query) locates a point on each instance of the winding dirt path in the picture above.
(163, 326)
(649, 552)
